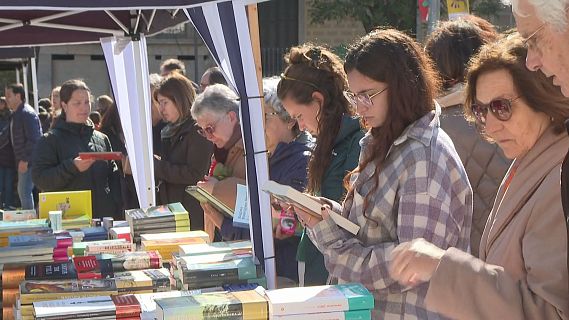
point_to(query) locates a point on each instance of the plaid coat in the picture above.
(423, 192)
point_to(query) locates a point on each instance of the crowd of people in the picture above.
(447, 155)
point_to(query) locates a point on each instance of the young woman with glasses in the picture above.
(521, 272)
(185, 155)
(216, 111)
(409, 182)
(311, 90)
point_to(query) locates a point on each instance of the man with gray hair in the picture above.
(544, 26)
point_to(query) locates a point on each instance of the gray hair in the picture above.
(216, 98)
(154, 79)
(547, 11)
(272, 99)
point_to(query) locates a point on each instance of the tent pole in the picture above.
(18, 75)
(35, 85)
(25, 72)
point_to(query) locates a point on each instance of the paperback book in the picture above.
(205, 197)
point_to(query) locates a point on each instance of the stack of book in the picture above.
(241, 247)
(99, 307)
(28, 227)
(94, 233)
(246, 305)
(79, 248)
(343, 301)
(44, 290)
(59, 242)
(159, 219)
(12, 275)
(216, 270)
(168, 243)
(76, 223)
(143, 281)
(120, 233)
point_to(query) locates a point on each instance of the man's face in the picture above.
(547, 47)
(13, 100)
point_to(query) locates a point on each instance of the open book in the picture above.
(100, 155)
(205, 197)
(298, 199)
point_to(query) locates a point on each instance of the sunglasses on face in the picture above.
(500, 108)
(363, 98)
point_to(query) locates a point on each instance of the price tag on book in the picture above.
(242, 213)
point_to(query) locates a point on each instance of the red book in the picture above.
(127, 306)
(100, 155)
(89, 267)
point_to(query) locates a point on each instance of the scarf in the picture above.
(171, 129)
(220, 154)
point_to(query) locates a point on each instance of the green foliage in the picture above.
(399, 14)
(486, 8)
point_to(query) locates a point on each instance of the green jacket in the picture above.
(345, 157)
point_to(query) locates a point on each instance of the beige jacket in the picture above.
(522, 270)
(226, 189)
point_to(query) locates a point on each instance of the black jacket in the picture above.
(53, 168)
(185, 159)
(7, 159)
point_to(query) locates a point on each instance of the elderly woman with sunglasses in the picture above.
(522, 269)
(184, 156)
(216, 111)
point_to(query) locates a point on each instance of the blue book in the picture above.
(32, 240)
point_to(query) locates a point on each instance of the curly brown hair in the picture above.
(314, 68)
(394, 58)
(538, 91)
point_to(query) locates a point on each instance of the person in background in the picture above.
(521, 272)
(55, 101)
(95, 117)
(172, 65)
(112, 128)
(157, 122)
(216, 111)
(409, 182)
(451, 45)
(103, 104)
(7, 160)
(25, 132)
(211, 76)
(311, 90)
(45, 114)
(57, 165)
(185, 156)
(289, 152)
(545, 27)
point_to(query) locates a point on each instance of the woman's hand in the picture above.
(414, 262)
(308, 220)
(208, 183)
(83, 164)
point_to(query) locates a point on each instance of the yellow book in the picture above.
(71, 203)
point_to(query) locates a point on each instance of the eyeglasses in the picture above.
(500, 108)
(364, 98)
(210, 129)
(531, 40)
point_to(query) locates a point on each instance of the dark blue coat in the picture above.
(7, 159)
(26, 131)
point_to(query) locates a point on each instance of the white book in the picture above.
(88, 305)
(318, 299)
(148, 301)
(347, 315)
(175, 235)
(296, 198)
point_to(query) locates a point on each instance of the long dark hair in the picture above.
(66, 91)
(314, 68)
(111, 121)
(392, 57)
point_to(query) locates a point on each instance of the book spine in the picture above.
(79, 315)
(138, 261)
(51, 271)
(327, 304)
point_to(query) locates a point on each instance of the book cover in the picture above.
(100, 155)
(152, 279)
(138, 260)
(78, 248)
(235, 247)
(115, 248)
(205, 197)
(71, 203)
(342, 297)
(174, 225)
(44, 240)
(43, 290)
(19, 215)
(218, 305)
(89, 267)
(347, 315)
(196, 273)
(74, 308)
(296, 198)
(51, 271)
(148, 302)
(126, 306)
(176, 235)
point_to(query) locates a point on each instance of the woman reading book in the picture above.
(57, 165)
(409, 182)
(311, 90)
(185, 155)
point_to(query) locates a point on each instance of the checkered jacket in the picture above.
(423, 192)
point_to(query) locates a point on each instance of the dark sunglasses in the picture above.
(500, 108)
